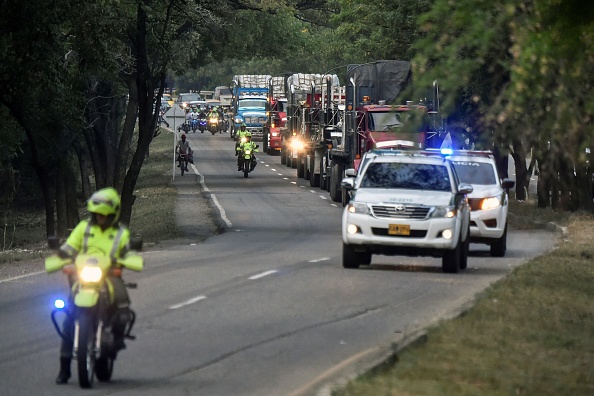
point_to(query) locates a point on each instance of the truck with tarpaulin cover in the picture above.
(250, 96)
(308, 121)
(372, 121)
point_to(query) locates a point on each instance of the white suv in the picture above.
(488, 201)
(406, 203)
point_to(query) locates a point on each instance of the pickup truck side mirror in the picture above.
(351, 172)
(507, 184)
(465, 189)
(348, 183)
(257, 146)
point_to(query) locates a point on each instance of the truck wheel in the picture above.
(314, 178)
(499, 247)
(335, 179)
(350, 258)
(301, 166)
(294, 161)
(450, 261)
(283, 155)
(307, 169)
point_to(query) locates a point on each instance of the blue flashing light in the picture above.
(60, 304)
(447, 151)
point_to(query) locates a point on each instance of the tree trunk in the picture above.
(84, 171)
(60, 191)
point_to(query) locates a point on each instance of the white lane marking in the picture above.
(280, 174)
(336, 206)
(272, 169)
(190, 301)
(285, 178)
(293, 182)
(269, 165)
(214, 198)
(21, 276)
(312, 191)
(263, 274)
(318, 260)
(323, 197)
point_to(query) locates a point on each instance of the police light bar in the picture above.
(446, 151)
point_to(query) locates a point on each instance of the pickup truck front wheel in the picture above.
(352, 259)
(450, 261)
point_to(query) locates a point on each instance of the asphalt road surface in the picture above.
(262, 308)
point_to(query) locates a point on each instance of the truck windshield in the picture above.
(259, 103)
(404, 121)
(224, 91)
(406, 176)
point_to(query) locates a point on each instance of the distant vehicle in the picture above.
(188, 99)
(224, 95)
(168, 99)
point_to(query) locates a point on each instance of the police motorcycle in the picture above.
(247, 159)
(213, 124)
(202, 124)
(91, 308)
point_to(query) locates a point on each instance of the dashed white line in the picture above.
(323, 197)
(190, 301)
(263, 274)
(318, 260)
(21, 276)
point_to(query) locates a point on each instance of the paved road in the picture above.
(264, 308)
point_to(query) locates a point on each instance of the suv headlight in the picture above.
(444, 211)
(358, 207)
(491, 203)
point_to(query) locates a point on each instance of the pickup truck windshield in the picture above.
(475, 172)
(406, 176)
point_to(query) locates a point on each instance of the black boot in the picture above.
(64, 374)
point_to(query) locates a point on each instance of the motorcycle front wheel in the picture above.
(246, 167)
(104, 368)
(85, 354)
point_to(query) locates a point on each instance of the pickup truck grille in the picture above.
(401, 211)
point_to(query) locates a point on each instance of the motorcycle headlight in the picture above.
(490, 203)
(444, 211)
(243, 140)
(248, 152)
(213, 120)
(91, 274)
(358, 207)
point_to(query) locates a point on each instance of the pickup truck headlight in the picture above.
(491, 203)
(358, 207)
(444, 211)
(238, 120)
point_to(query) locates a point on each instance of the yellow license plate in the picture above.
(398, 229)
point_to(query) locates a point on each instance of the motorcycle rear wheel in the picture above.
(85, 354)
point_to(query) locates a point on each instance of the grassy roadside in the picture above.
(23, 236)
(531, 333)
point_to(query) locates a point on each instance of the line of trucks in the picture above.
(321, 128)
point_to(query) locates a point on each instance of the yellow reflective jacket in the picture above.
(89, 238)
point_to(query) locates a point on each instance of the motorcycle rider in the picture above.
(247, 145)
(183, 148)
(100, 234)
(239, 136)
